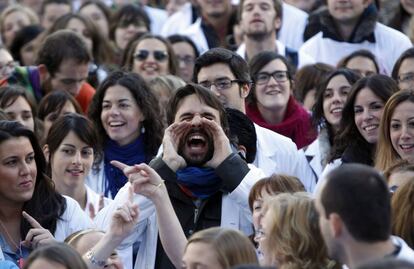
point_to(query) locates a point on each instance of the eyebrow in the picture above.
(119, 100)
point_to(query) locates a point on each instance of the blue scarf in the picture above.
(200, 182)
(130, 154)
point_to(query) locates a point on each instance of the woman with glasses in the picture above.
(271, 103)
(150, 56)
(403, 71)
(186, 53)
(126, 114)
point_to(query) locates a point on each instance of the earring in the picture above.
(143, 130)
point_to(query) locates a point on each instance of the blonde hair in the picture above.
(231, 246)
(34, 19)
(402, 206)
(73, 239)
(386, 155)
(293, 240)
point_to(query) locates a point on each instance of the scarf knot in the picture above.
(133, 153)
(200, 182)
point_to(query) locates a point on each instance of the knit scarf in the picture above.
(296, 125)
(198, 182)
(130, 154)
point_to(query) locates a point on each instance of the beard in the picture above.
(196, 147)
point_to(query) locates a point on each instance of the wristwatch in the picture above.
(91, 257)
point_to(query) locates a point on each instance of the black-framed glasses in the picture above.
(220, 84)
(159, 55)
(406, 77)
(264, 77)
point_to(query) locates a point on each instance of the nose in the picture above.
(76, 158)
(25, 169)
(196, 121)
(367, 115)
(181, 64)
(405, 134)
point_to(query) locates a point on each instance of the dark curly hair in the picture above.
(146, 101)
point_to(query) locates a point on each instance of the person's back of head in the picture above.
(243, 131)
(359, 195)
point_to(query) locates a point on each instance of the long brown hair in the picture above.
(386, 155)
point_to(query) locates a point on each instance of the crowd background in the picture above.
(206, 134)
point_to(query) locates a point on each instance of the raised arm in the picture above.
(147, 182)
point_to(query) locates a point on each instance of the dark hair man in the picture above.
(207, 182)
(62, 64)
(226, 74)
(355, 217)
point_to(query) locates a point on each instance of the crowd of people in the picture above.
(206, 134)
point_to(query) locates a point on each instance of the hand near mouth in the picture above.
(172, 136)
(222, 148)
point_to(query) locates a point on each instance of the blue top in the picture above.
(9, 255)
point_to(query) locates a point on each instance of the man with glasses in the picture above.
(226, 74)
(403, 71)
(62, 64)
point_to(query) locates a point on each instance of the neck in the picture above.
(218, 22)
(77, 192)
(346, 28)
(272, 116)
(10, 211)
(254, 46)
(359, 253)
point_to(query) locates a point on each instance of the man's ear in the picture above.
(46, 152)
(43, 72)
(245, 89)
(278, 23)
(336, 225)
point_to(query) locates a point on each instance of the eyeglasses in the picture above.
(263, 77)
(406, 77)
(8, 67)
(220, 84)
(159, 55)
(185, 59)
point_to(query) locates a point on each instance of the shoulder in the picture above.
(289, 10)
(312, 42)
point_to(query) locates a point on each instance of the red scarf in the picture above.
(296, 125)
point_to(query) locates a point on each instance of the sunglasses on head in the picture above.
(158, 55)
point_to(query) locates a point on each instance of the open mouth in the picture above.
(407, 147)
(196, 142)
(75, 172)
(371, 127)
(116, 124)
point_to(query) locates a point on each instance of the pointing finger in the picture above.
(31, 220)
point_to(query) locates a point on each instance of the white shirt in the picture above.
(387, 48)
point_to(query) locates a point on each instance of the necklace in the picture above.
(10, 238)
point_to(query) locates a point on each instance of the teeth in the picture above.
(336, 110)
(370, 127)
(115, 124)
(406, 146)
